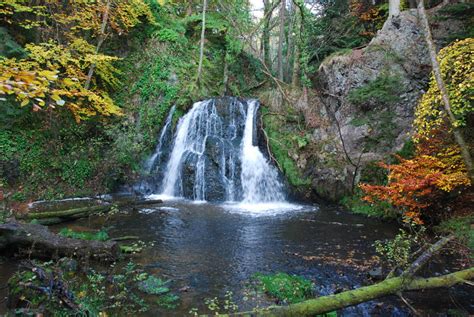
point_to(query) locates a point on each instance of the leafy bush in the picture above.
(378, 209)
(285, 288)
(169, 35)
(169, 301)
(154, 285)
(398, 250)
(77, 172)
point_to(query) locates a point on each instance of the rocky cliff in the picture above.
(361, 109)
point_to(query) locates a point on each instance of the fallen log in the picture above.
(390, 286)
(147, 202)
(38, 241)
(69, 213)
(125, 238)
(58, 216)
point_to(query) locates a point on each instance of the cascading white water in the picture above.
(179, 149)
(214, 158)
(159, 147)
(259, 179)
(195, 130)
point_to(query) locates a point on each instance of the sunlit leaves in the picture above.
(456, 64)
(53, 76)
(22, 13)
(81, 16)
(415, 185)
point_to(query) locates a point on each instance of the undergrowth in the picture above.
(285, 288)
(284, 142)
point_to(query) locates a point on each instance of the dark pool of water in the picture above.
(209, 249)
(213, 249)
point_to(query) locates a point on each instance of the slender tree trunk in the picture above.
(266, 33)
(289, 42)
(466, 155)
(226, 73)
(281, 39)
(393, 7)
(101, 40)
(203, 33)
(189, 9)
(295, 80)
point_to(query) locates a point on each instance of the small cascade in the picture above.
(155, 159)
(215, 157)
(259, 179)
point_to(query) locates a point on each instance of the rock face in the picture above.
(364, 105)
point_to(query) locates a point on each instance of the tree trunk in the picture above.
(390, 286)
(466, 155)
(101, 40)
(226, 74)
(281, 39)
(266, 33)
(38, 241)
(289, 42)
(67, 213)
(203, 33)
(189, 9)
(295, 80)
(393, 7)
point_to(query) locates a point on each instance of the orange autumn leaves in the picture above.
(415, 184)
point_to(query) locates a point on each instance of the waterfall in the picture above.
(214, 156)
(157, 155)
(259, 179)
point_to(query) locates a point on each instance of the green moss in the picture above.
(385, 89)
(461, 227)
(377, 210)
(408, 150)
(380, 123)
(359, 121)
(459, 10)
(340, 52)
(285, 288)
(284, 142)
(56, 162)
(99, 236)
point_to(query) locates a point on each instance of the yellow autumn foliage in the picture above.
(53, 74)
(457, 65)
